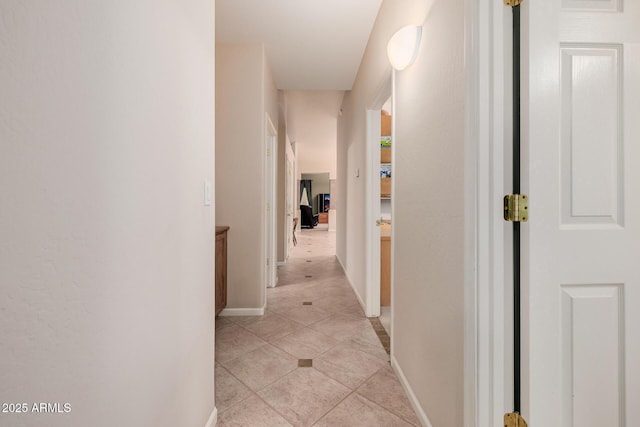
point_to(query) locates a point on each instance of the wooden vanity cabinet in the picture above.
(221, 268)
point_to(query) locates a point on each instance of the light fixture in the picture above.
(403, 47)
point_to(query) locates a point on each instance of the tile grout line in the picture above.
(312, 286)
(263, 387)
(271, 406)
(333, 407)
(384, 409)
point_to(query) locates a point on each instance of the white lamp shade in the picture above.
(403, 47)
(305, 199)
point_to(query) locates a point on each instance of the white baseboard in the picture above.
(422, 417)
(230, 312)
(213, 418)
(344, 270)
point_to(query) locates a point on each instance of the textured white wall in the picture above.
(106, 249)
(428, 222)
(244, 92)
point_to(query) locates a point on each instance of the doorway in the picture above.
(384, 223)
(379, 207)
(270, 166)
(318, 190)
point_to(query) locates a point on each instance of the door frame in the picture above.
(372, 206)
(488, 363)
(270, 206)
(288, 206)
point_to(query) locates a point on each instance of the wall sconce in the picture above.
(402, 49)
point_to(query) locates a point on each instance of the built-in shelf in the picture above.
(385, 187)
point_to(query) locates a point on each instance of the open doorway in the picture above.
(379, 207)
(315, 190)
(384, 223)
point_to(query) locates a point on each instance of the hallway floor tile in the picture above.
(261, 379)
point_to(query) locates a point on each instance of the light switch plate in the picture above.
(208, 193)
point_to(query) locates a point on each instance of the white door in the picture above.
(581, 296)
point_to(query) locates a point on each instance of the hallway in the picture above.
(312, 317)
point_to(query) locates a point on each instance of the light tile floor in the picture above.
(350, 382)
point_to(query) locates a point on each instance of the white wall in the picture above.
(312, 120)
(429, 283)
(428, 225)
(244, 92)
(106, 253)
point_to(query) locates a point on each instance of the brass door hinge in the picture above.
(516, 207)
(512, 3)
(514, 419)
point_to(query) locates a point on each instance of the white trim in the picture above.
(213, 418)
(472, 71)
(372, 204)
(270, 173)
(392, 261)
(355, 291)
(372, 213)
(488, 86)
(231, 312)
(282, 263)
(415, 404)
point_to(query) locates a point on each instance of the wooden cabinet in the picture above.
(385, 265)
(221, 269)
(323, 218)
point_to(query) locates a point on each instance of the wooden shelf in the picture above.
(385, 154)
(385, 187)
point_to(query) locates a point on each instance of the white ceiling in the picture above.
(311, 45)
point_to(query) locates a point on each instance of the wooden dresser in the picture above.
(221, 268)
